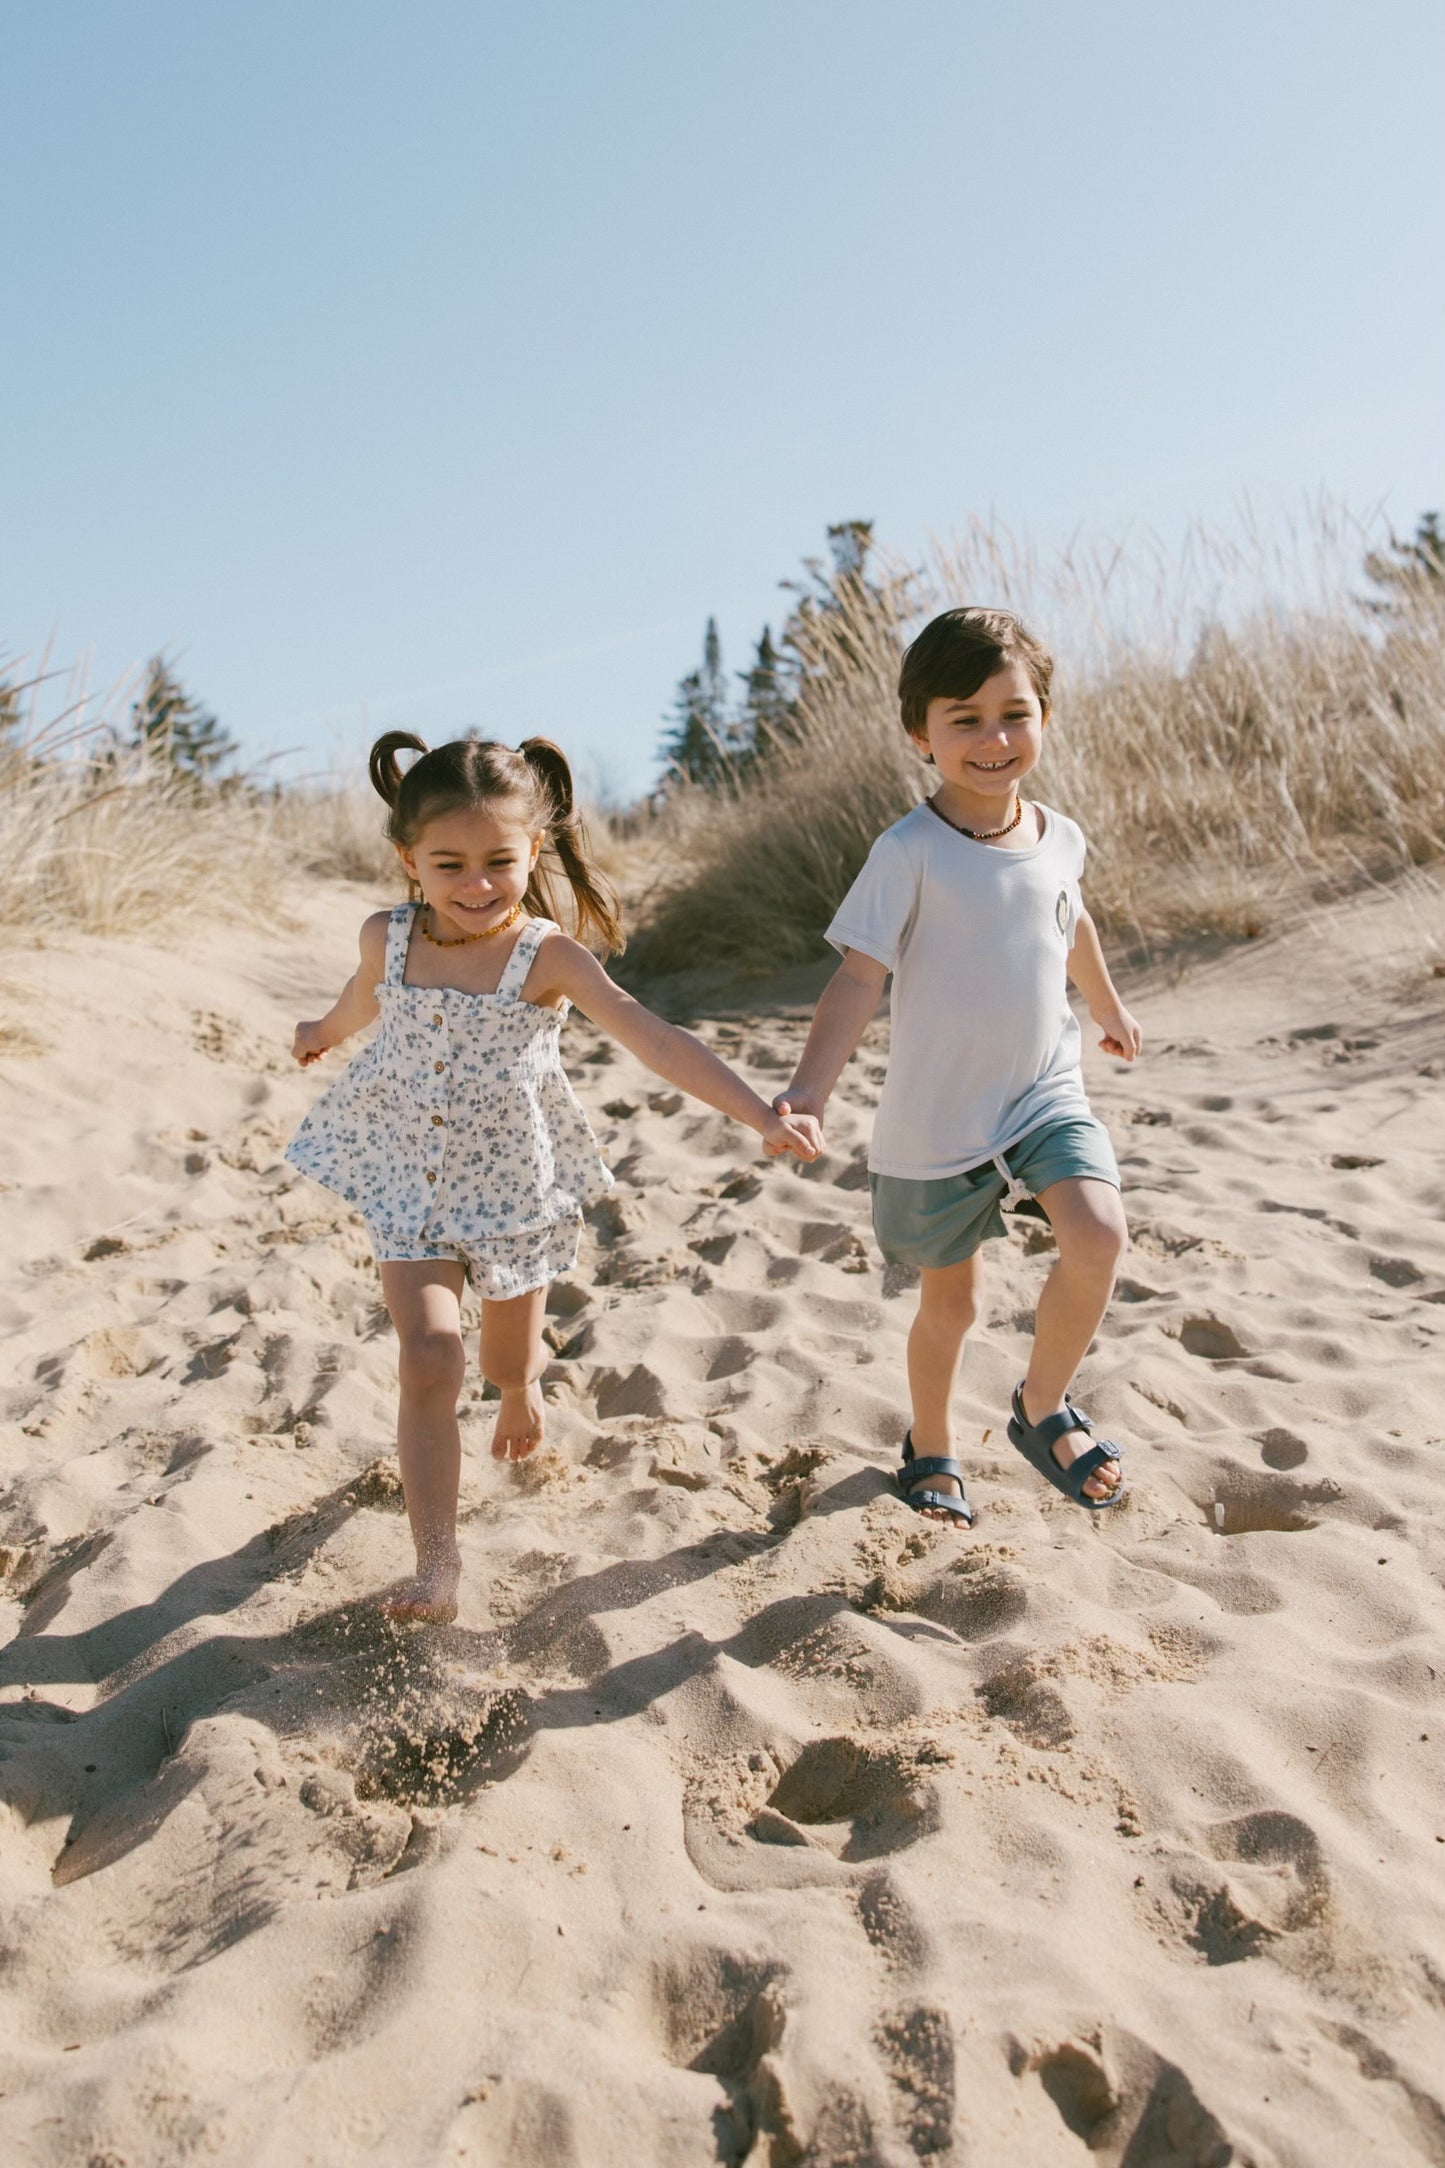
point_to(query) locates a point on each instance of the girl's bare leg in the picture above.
(1089, 1227)
(425, 1301)
(513, 1359)
(947, 1305)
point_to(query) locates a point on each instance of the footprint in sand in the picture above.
(1211, 1339)
(857, 1798)
(892, 1926)
(221, 1038)
(1122, 2099)
(724, 2015)
(916, 2049)
(1247, 1501)
(976, 1604)
(1018, 1695)
(1260, 1878)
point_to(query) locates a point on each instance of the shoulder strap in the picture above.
(398, 938)
(520, 962)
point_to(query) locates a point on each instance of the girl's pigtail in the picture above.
(386, 777)
(594, 898)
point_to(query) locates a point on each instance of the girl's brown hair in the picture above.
(537, 780)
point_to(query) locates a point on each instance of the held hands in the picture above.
(799, 1134)
(309, 1044)
(1121, 1035)
(799, 1117)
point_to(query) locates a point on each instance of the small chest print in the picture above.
(1061, 911)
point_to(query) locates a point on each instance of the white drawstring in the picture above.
(1017, 1190)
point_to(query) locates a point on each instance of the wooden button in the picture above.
(436, 1121)
(438, 1066)
(429, 1175)
(437, 1018)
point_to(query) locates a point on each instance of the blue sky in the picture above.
(445, 365)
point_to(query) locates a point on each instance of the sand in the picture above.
(741, 1816)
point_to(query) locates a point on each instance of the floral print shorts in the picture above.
(503, 1265)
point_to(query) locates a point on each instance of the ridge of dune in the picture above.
(741, 1816)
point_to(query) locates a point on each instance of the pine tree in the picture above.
(767, 712)
(850, 541)
(172, 729)
(1408, 572)
(702, 743)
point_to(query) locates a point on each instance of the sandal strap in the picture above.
(939, 1502)
(1053, 1427)
(913, 1471)
(1087, 1464)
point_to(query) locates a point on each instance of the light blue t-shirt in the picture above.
(984, 1044)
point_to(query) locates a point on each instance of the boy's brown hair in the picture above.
(957, 651)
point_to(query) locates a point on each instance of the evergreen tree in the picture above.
(175, 731)
(1408, 572)
(849, 542)
(767, 711)
(828, 588)
(701, 744)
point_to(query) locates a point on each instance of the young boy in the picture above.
(972, 902)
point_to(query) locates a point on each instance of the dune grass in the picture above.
(102, 838)
(1235, 731)
(115, 855)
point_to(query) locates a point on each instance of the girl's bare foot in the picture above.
(427, 1597)
(520, 1420)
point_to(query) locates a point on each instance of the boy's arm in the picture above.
(842, 1016)
(355, 1005)
(564, 967)
(1089, 972)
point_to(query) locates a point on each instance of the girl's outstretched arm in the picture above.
(355, 1005)
(564, 968)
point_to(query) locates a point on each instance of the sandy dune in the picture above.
(742, 1816)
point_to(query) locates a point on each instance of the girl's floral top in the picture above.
(456, 1123)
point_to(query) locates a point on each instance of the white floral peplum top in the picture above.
(457, 1123)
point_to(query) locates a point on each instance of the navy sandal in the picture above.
(915, 1471)
(1036, 1441)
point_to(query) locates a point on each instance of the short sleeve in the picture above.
(876, 913)
(1071, 901)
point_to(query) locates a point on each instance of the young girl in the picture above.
(455, 1132)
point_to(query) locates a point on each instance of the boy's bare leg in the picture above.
(425, 1301)
(947, 1306)
(513, 1358)
(1089, 1227)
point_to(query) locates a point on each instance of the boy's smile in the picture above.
(984, 746)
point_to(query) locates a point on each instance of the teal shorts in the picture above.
(944, 1221)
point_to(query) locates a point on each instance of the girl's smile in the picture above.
(473, 865)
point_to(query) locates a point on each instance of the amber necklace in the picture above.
(487, 933)
(981, 835)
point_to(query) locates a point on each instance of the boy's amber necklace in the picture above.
(981, 835)
(487, 933)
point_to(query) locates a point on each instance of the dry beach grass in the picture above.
(1230, 756)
